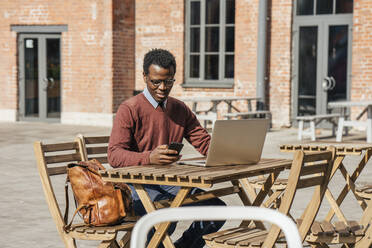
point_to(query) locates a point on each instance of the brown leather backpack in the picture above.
(99, 202)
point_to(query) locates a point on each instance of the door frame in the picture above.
(322, 22)
(42, 71)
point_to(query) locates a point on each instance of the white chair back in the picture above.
(143, 225)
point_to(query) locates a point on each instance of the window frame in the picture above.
(200, 82)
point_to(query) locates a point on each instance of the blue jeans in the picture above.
(192, 237)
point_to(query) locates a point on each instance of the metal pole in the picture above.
(261, 55)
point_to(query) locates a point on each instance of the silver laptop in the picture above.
(235, 142)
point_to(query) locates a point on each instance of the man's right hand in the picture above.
(162, 155)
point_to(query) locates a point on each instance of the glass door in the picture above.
(39, 77)
(322, 54)
(335, 82)
(307, 69)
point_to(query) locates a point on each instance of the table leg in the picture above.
(245, 187)
(258, 201)
(149, 207)
(194, 106)
(369, 124)
(125, 240)
(350, 181)
(300, 129)
(366, 218)
(249, 105)
(335, 207)
(161, 229)
(340, 128)
(214, 106)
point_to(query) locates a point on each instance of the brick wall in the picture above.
(361, 86)
(94, 35)
(123, 51)
(103, 49)
(8, 65)
(160, 23)
(279, 63)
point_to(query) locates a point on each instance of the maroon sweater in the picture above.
(139, 128)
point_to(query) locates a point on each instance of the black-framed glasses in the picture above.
(167, 82)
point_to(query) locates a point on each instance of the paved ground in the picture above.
(24, 217)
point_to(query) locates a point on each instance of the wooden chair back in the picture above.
(309, 169)
(94, 147)
(52, 160)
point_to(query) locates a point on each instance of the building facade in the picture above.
(76, 61)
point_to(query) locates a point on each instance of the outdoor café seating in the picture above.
(308, 170)
(342, 230)
(288, 227)
(313, 167)
(51, 162)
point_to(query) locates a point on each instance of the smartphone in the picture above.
(175, 146)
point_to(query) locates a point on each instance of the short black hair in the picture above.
(160, 57)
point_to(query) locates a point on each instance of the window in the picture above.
(323, 7)
(210, 37)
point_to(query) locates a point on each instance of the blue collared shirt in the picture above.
(153, 102)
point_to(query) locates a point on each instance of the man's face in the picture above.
(159, 82)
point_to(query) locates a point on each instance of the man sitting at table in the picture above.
(144, 126)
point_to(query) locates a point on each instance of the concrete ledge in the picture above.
(89, 119)
(8, 115)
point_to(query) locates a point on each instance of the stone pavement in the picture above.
(25, 220)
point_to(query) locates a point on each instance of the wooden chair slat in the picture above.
(364, 188)
(94, 147)
(97, 139)
(255, 240)
(311, 181)
(247, 234)
(364, 191)
(62, 158)
(328, 228)
(57, 170)
(355, 228)
(97, 150)
(316, 228)
(369, 190)
(316, 156)
(311, 169)
(211, 236)
(341, 228)
(60, 147)
(235, 236)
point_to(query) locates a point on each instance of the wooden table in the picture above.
(344, 106)
(217, 100)
(194, 176)
(342, 150)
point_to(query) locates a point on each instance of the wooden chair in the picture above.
(349, 233)
(307, 170)
(52, 160)
(94, 147)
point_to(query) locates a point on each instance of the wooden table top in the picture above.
(341, 148)
(192, 176)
